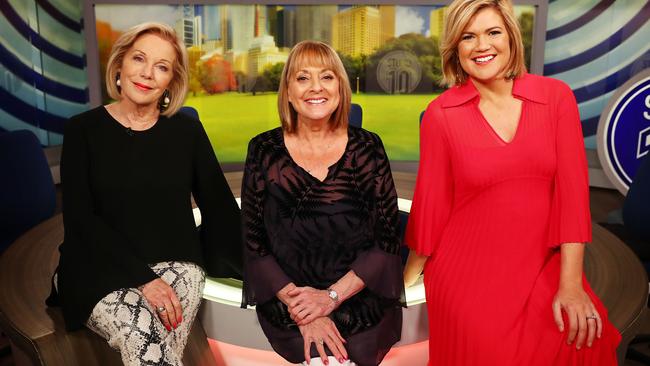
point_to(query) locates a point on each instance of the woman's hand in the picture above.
(283, 294)
(584, 320)
(410, 276)
(307, 303)
(163, 299)
(322, 331)
(413, 268)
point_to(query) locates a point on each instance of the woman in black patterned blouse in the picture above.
(320, 219)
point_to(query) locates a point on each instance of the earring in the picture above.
(163, 104)
(118, 82)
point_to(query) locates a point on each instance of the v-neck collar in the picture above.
(493, 132)
(331, 170)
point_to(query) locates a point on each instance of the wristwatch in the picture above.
(333, 295)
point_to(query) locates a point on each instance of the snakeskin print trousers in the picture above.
(131, 325)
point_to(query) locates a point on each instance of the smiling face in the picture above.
(484, 48)
(147, 70)
(313, 92)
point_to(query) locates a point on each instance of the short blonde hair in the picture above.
(459, 14)
(180, 79)
(313, 53)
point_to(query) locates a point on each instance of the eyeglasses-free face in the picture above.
(484, 48)
(147, 70)
(314, 93)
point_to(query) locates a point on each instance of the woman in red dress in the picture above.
(500, 213)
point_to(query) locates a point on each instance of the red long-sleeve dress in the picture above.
(491, 216)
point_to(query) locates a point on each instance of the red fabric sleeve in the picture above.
(570, 219)
(433, 197)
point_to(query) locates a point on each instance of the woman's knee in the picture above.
(190, 281)
(195, 272)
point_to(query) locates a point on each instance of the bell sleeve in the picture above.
(570, 218)
(263, 277)
(434, 190)
(220, 230)
(380, 267)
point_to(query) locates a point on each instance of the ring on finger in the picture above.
(321, 342)
(592, 316)
(161, 309)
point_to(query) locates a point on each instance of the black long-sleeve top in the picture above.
(127, 204)
(301, 230)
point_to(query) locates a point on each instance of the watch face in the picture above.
(333, 295)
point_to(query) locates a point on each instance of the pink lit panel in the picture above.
(230, 355)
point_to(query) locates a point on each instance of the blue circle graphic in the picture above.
(626, 133)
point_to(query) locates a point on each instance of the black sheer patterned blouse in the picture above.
(299, 229)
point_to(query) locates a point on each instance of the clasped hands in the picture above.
(310, 309)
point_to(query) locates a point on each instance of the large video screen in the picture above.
(237, 52)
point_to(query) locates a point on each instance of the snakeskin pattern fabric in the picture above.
(131, 325)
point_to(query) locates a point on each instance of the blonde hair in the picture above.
(459, 14)
(313, 53)
(179, 82)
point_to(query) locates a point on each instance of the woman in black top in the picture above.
(132, 262)
(319, 212)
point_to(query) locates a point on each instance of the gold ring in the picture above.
(320, 341)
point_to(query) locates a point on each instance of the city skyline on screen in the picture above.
(237, 53)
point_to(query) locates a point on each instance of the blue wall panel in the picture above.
(596, 46)
(42, 66)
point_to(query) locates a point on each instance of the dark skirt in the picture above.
(366, 348)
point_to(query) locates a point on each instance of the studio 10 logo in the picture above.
(399, 72)
(624, 131)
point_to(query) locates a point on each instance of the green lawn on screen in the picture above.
(232, 119)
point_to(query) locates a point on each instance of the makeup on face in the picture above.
(314, 93)
(146, 70)
(484, 47)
